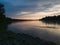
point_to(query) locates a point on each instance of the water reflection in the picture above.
(38, 29)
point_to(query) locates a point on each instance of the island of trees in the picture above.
(11, 38)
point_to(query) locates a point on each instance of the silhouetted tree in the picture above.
(3, 20)
(2, 13)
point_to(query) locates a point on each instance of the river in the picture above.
(50, 32)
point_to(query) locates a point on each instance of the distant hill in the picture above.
(54, 19)
(24, 19)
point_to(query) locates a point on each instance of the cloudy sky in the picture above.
(31, 8)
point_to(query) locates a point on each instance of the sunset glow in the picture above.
(31, 9)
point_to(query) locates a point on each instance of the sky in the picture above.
(31, 9)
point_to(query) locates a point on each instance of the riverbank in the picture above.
(51, 19)
(10, 38)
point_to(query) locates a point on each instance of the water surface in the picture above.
(50, 32)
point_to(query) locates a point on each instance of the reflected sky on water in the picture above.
(39, 29)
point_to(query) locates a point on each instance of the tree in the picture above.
(2, 13)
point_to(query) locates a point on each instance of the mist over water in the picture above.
(50, 32)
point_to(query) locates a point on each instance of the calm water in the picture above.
(39, 29)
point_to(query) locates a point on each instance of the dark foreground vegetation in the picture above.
(10, 38)
(52, 19)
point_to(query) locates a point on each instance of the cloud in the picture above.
(16, 7)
